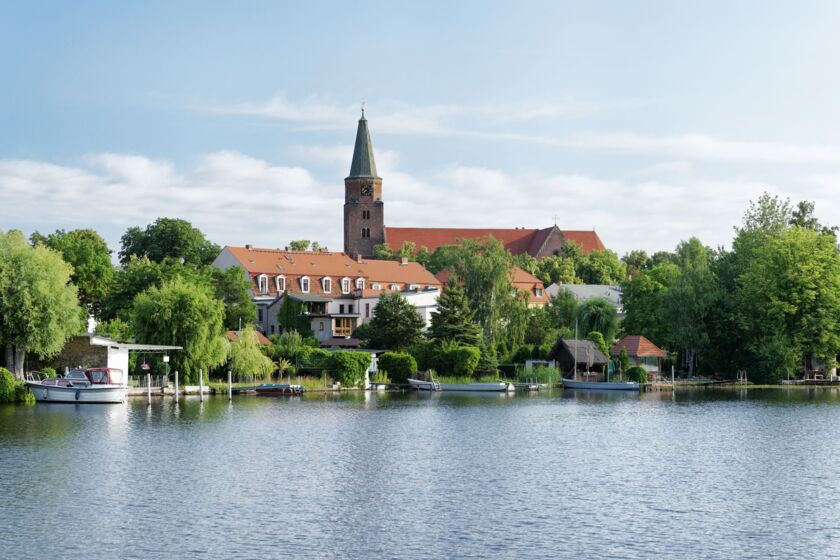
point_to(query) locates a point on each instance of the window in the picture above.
(260, 314)
(376, 286)
(304, 284)
(326, 284)
(395, 287)
(341, 309)
(280, 282)
(320, 325)
(350, 308)
(272, 329)
(367, 311)
(538, 292)
(345, 285)
(365, 232)
(413, 287)
(360, 283)
(366, 214)
(262, 281)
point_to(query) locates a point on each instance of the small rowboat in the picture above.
(279, 389)
(498, 387)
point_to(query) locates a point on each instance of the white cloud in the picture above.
(238, 199)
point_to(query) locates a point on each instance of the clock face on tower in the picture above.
(367, 190)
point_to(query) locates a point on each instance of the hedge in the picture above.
(399, 365)
(349, 367)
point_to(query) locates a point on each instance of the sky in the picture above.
(650, 122)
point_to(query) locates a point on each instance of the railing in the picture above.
(140, 381)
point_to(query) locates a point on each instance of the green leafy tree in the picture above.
(598, 339)
(453, 319)
(299, 245)
(168, 238)
(90, 258)
(686, 309)
(556, 270)
(637, 261)
(246, 357)
(39, 306)
(562, 309)
(600, 267)
(291, 316)
(396, 324)
(623, 360)
(186, 314)
(598, 314)
(232, 288)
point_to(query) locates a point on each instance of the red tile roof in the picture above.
(516, 240)
(638, 346)
(233, 336)
(522, 280)
(294, 265)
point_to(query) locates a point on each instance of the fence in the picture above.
(140, 381)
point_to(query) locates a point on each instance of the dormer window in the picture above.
(304, 284)
(280, 283)
(262, 283)
(395, 287)
(360, 283)
(376, 286)
(326, 285)
(413, 287)
(538, 292)
(345, 285)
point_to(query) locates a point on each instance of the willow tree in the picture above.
(246, 357)
(39, 306)
(186, 314)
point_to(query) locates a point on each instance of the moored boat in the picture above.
(93, 385)
(494, 387)
(601, 385)
(279, 389)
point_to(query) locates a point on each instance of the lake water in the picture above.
(706, 474)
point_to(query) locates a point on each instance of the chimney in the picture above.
(249, 246)
(403, 261)
(359, 258)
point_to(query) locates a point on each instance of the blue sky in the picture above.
(649, 121)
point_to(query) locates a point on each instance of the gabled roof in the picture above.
(580, 350)
(516, 240)
(522, 280)
(363, 163)
(233, 336)
(638, 346)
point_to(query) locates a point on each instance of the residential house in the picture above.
(521, 280)
(338, 293)
(642, 352)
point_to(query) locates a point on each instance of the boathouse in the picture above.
(566, 352)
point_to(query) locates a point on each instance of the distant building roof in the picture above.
(233, 336)
(522, 280)
(516, 240)
(640, 346)
(584, 292)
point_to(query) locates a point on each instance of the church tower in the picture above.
(364, 212)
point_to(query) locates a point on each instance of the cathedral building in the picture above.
(364, 218)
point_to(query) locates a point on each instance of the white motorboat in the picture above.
(495, 387)
(601, 385)
(94, 385)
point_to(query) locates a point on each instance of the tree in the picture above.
(642, 301)
(232, 287)
(686, 308)
(556, 270)
(168, 237)
(246, 357)
(396, 324)
(291, 316)
(90, 258)
(39, 306)
(299, 245)
(186, 314)
(598, 339)
(598, 314)
(600, 267)
(453, 319)
(636, 261)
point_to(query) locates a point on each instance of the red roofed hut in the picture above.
(642, 352)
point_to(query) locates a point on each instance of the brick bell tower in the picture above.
(364, 211)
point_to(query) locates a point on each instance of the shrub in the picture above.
(637, 374)
(381, 377)
(425, 354)
(463, 360)
(23, 394)
(349, 367)
(315, 358)
(49, 373)
(523, 353)
(400, 365)
(7, 386)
